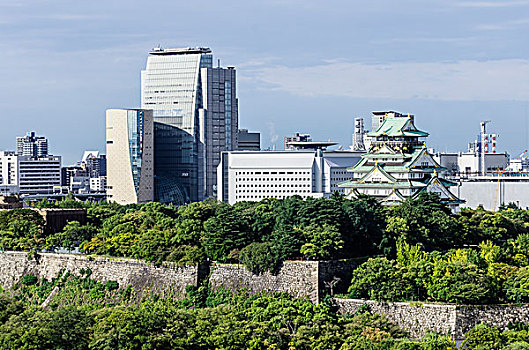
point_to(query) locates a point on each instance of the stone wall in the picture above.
(170, 277)
(498, 316)
(416, 318)
(298, 278)
(454, 320)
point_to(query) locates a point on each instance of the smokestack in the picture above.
(494, 143)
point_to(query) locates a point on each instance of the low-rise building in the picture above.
(252, 176)
(30, 175)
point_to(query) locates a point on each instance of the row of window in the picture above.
(272, 179)
(272, 191)
(271, 172)
(265, 196)
(272, 185)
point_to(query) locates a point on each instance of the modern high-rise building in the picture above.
(31, 145)
(130, 148)
(195, 113)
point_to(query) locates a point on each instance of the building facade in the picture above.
(32, 145)
(398, 165)
(195, 112)
(130, 155)
(28, 175)
(253, 176)
(248, 141)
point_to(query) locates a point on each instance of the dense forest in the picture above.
(419, 250)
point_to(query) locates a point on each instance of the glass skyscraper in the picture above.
(192, 114)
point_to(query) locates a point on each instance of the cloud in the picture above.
(507, 25)
(493, 4)
(498, 80)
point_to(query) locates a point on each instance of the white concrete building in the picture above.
(130, 159)
(98, 184)
(30, 175)
(252, 176)
(469, 164)
(492, 191)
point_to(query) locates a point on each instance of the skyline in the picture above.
(451, 64)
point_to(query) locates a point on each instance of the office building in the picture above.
(32, 145)
(248, 141)
(94, 163)
(398, 165)
(252, 176)
(130, 167)
(28, 175)
(195, 112)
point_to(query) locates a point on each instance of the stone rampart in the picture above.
(169, 277)
(453, 320)
(298, 278)
(416, 318)
(498, 316)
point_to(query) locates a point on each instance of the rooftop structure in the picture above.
(310, 145)
(180, 51)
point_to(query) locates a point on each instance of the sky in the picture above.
(302, 65)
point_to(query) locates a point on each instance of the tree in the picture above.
(379, 279)
(260, 257)
(323, 242)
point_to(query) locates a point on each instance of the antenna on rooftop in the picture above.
(218, 63)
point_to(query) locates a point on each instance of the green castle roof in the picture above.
(398, 126)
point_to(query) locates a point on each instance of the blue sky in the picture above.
(308, 66)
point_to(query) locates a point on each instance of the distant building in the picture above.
(31, 145)
(55, 219)
(248, 141)
(469, 164)
(130, 145)
(30, 175)
(359, 134)
(297, 137)
(398, 165)
(98, 184)
(94, 163)
(252, 176)
(10, 202)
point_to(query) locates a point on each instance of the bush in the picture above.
(517, 286)
(482, 337)
(260, 257)
(460, 282)
(29, 280)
